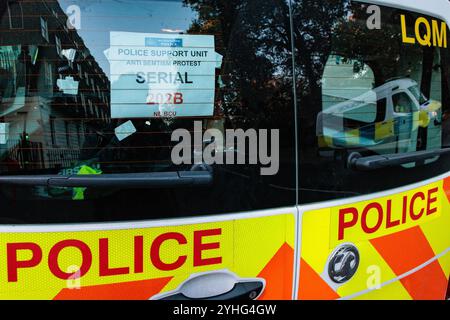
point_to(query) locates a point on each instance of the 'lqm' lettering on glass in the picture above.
(426, 33)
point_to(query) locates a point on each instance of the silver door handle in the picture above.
(217, 285)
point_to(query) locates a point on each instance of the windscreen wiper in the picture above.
(131, 180)
(358, 162)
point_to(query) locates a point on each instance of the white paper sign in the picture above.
(125, 130)
(162, 75)
(68, 85)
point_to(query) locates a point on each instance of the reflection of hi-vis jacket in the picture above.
(78, 193)
(396, 130)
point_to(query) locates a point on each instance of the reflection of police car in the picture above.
(386, 120)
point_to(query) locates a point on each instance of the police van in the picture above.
(384, 120)
(223, 150)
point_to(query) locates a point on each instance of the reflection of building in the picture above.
(46, 124)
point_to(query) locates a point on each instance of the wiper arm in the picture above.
(132, 180)
(357, 162)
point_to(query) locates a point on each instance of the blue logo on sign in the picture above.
(162, 42)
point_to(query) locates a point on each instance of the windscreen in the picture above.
(373, 83)
(107, 87)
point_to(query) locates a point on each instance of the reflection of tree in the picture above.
(340, 28)
(253, 37)
(315, 23)
(258, 66)
(255, 40)
(382, 50)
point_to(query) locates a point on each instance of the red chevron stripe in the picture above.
(137, 290)
(406, 250)
(312, 286)
(278, 274)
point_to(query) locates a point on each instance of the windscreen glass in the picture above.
(100, 88)
(373, 84)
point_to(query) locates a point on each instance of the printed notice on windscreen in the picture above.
(162, 75)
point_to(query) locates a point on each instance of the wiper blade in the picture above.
(132, 180)
(358, 162)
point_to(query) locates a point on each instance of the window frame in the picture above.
(44, 29)
(19, 4)
(52, 123)
(58, 45)
(410, 97)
